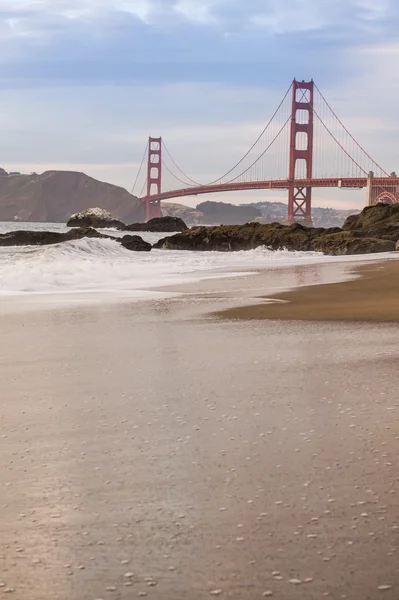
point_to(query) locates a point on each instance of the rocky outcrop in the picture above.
(136, 243)
(95, 217)
(340, 243)
(380, 221)
(46, 238)
(162, 224)
(296, 237)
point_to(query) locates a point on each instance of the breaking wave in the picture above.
(105, 265)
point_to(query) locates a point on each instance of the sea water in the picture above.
(102, 265)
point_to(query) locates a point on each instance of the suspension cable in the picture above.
(175, 176)
(142, 189)
(254, 144)
(339, 144)
(348, 132)
(263, 153)
(271, 143)
(164, 146)
(238, 163)
(139, 171)
(274, 139)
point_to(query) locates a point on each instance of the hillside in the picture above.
(322, 217)
(208, 213)
(55, 195)
(189, 215)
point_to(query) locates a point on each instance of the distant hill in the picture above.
(55, 195)
(212, 213)
(227, 214)
(322, 217)
(190, 215)
(209, 213)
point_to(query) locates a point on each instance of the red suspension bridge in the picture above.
(304, 146)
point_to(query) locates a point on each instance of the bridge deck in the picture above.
(283, 184)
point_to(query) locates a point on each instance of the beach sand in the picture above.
(372, 296)
(152, 448)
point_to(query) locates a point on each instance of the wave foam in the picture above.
(104, 265)
(91, 265)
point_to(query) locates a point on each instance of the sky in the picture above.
(85, 82)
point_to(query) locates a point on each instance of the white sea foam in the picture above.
(98, 265)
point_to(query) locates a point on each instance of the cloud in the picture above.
(84, 82)
(24, 17)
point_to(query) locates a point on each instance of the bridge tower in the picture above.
(154, 178)
(301, 148)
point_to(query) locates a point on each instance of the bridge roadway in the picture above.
(282, 184)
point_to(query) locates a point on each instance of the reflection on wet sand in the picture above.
(147, 451)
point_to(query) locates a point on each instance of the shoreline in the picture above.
(219, 289)
(370, 295)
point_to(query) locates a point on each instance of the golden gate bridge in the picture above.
(303, 146)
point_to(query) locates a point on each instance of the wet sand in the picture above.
(152, 449)
(372, 296)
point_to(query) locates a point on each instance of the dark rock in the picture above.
(380, 221)
(95, 217)
(135, 242)
(341, 244)
(238, 237)
(43, 238)
(376, 229)
(162, 224)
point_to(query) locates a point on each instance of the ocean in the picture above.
(95, 265)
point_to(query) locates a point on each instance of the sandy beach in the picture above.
(157, 450)
(372, 295)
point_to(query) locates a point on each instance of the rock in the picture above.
(342, 243)
(162, 224)
(380, 221)
(227, 238)
(135, 242)
(43, 238)
(95, 217)
(376, 231)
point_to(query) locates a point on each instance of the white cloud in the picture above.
(275, 16)
(374, 10)
(196, 11)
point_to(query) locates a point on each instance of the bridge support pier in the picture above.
(301, 149)
(154, 178)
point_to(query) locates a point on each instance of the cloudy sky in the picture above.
(85, 82)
